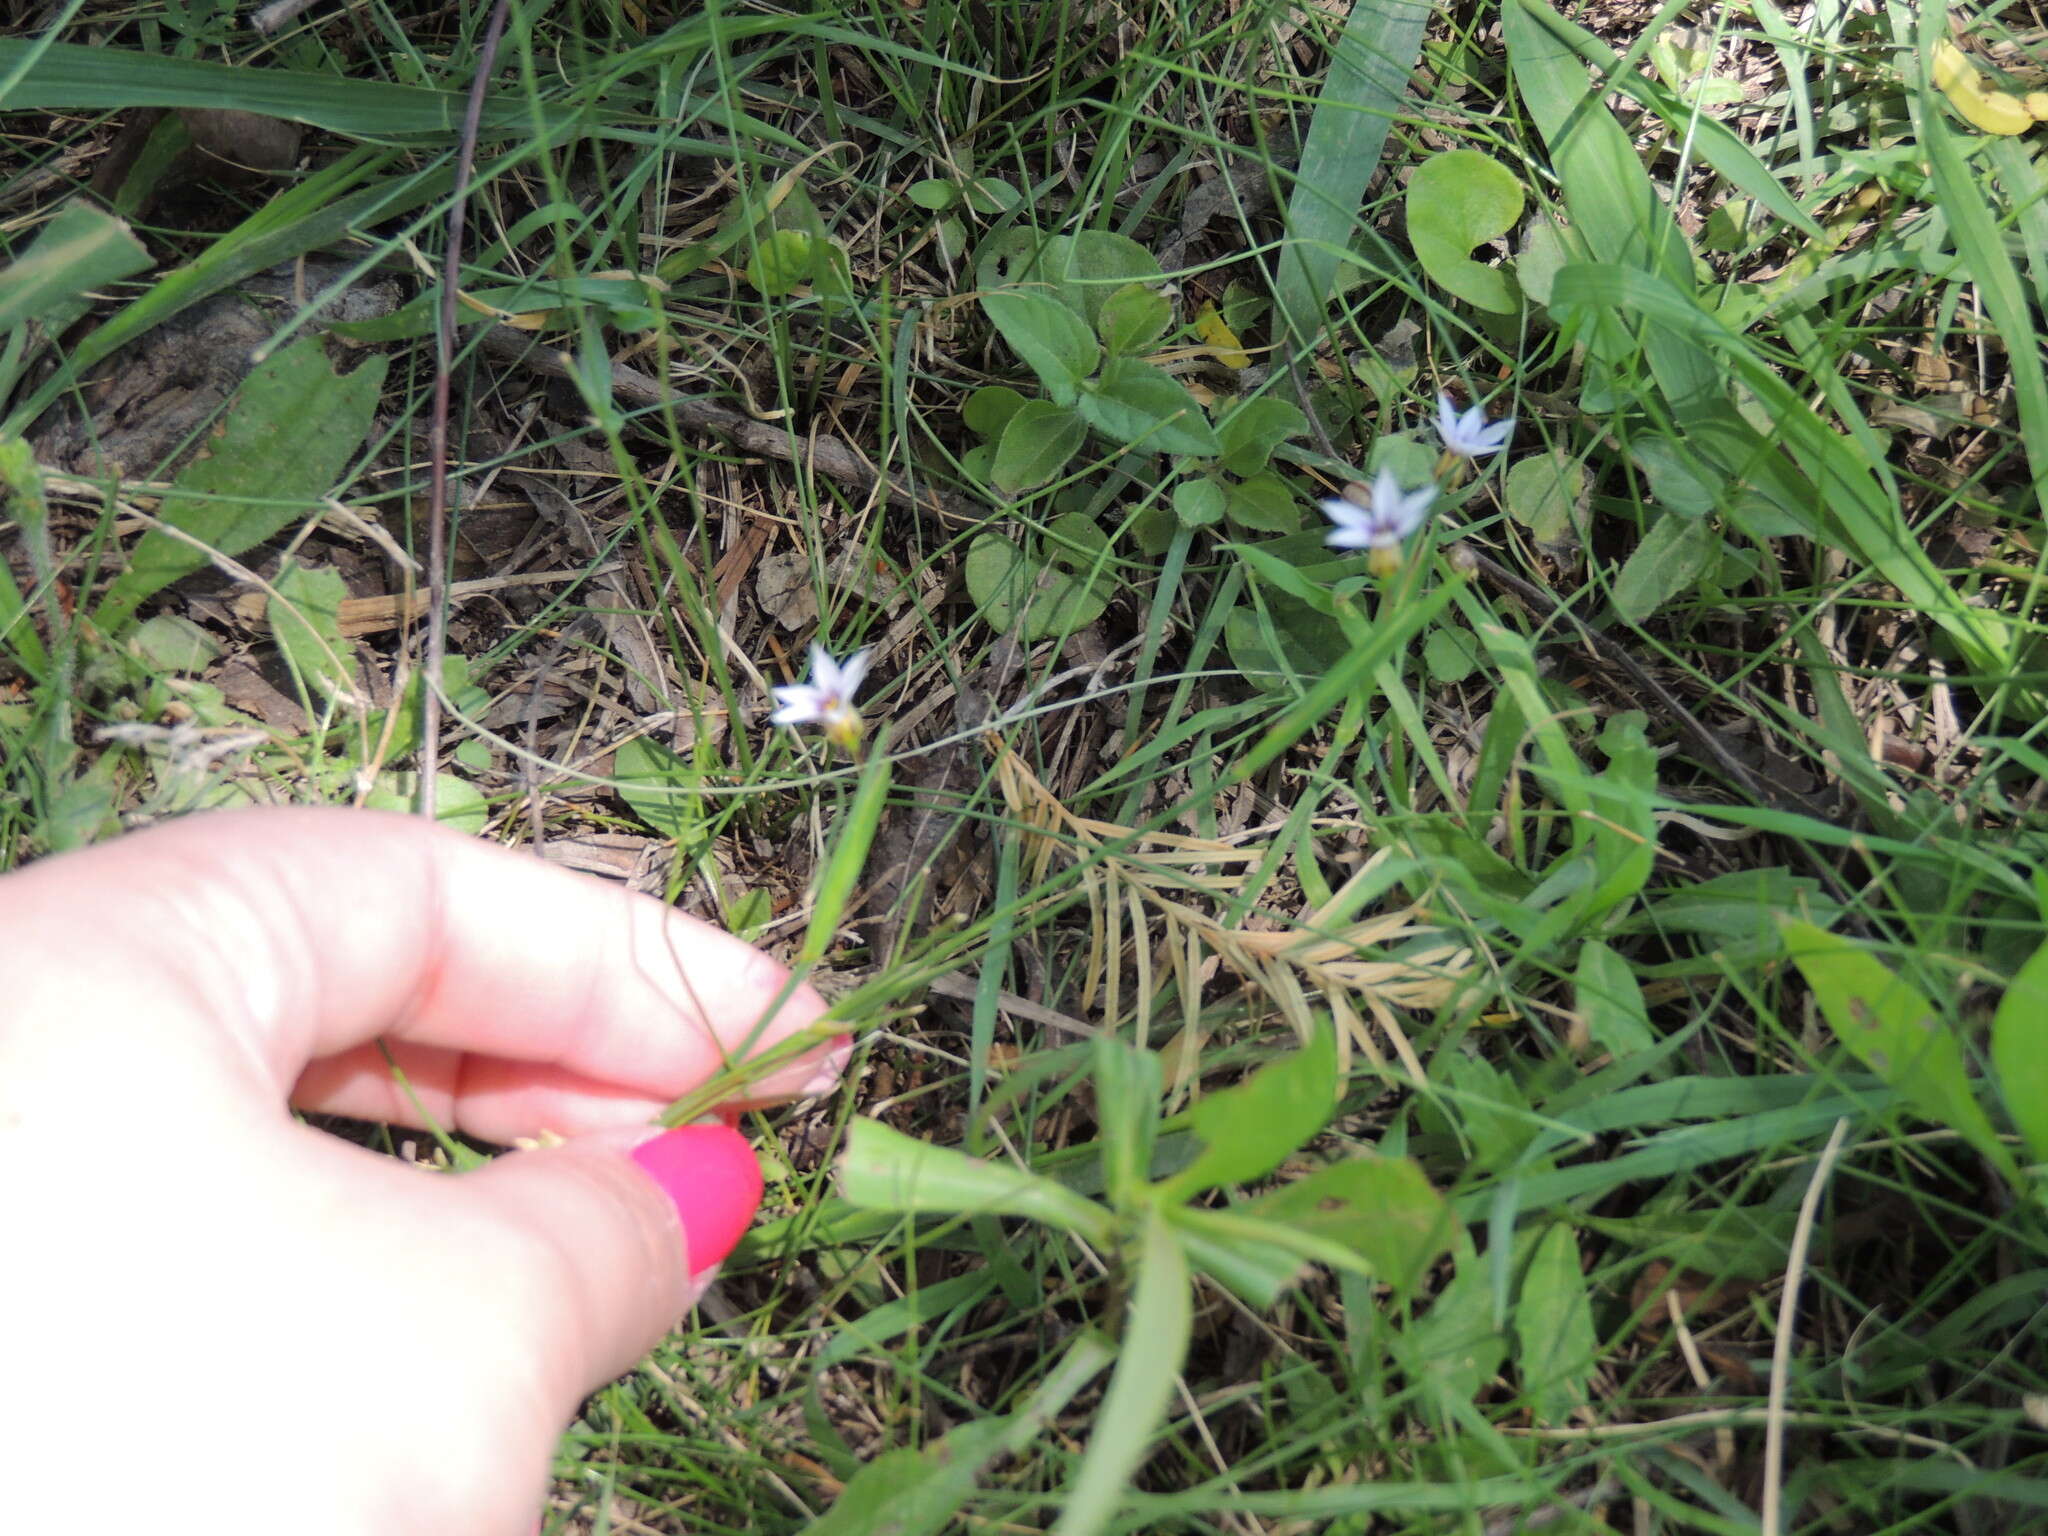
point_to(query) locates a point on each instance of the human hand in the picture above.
(203, 1300)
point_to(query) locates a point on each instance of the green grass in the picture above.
(1523, 836)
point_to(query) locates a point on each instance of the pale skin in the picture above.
(208, 1309)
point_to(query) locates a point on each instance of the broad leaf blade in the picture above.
(1891, 1027)
(1361, 97)
(2019, 1051)
(290, 433)
(1155, 1342)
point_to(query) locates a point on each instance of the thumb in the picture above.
(629, 1225)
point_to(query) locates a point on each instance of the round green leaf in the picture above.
(1264, 503)
(952, 237)
(1152, 528)
(1456, 200)
(457, 803)
(1250, 433)
(1133, 318)
(1022, 255)
(172, 643)
(1198, 503)
(1450, 654)
(990, 195)
(933, 193)
(782, 262)
(1042, 587)
(1545, 492)
(1036, 444)
(989, 409)
(1099, 263)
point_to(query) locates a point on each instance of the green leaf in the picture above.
(291, 431)
(782, 262)
(1042, 587)
(1054, 342)
(933, 193)
(1250, 1259)
(1137, 406)
(1453, 1351)
(1673, 555)
(1155, 1342)
(1452, 655)
(457, 802)
(1381, 1208)
(1610, 1004)
(1622, 806)
(662, 790)
(905, 1492)
(170, 642)
(989, 409)
(305, 620)
(1456, 200)
(1096, 264)
(1036, 444)
(1133, 318)
(1363, 96)
(1264, 503)
(855, 835)
(78, 77)
(884, 1170)
(1127, 1084)
(82, 248)
(1546, 494)
(1198, 503)
(1248, 1131)
(2019, 1052)
(991, 195)
(1891, 1027)
(1250, 433)
(1557, 1347)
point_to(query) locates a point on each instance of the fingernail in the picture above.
(711, 1176)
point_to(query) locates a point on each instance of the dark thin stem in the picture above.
(437, 426)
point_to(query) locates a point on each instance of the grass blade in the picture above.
(1361, 98)
(1154, 1343)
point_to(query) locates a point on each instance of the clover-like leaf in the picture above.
(1042, 586)
(1456, 200)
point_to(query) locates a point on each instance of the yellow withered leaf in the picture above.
(1970, 91)
(1222, 340)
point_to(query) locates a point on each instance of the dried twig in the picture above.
(823, 454)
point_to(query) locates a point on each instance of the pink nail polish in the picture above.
(711, 1175)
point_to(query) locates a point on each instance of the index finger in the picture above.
(282, 937)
